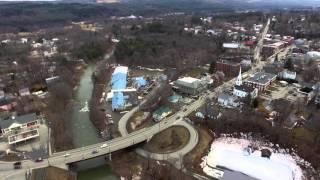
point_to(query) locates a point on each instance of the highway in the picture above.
(66, 157)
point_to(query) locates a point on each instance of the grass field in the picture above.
(169, 140)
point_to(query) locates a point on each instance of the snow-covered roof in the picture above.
(231, 153)
(188, 79)
(121, 69)
(231, 45)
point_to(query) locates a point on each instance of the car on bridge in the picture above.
(104, 145)
(94, 152)
(66, 155)
(17, 165)
(39, 159)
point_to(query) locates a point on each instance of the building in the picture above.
(19, 123)
(7, 104)
(229, 68)
(242, 90)
(2, 94)
(260, 80)
(161, 113)
(285, 74)
(270, 49)
(274, 68)
(24, 92)
(227, 100)
(190, 85)
(139, 82)
(317, 99)
(118, 84)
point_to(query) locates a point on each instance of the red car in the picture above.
(39, 159)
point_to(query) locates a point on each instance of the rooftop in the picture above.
(19, 119)
(231, 45)
(188, 79)
(261, 78)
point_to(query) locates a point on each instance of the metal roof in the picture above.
(19, 119)
(119, 82)
(261, 78)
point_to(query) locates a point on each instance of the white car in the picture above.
(103, 145)
(66, 155)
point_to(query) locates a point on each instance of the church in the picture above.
(242, 90)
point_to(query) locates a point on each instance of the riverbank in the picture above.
(101, 78)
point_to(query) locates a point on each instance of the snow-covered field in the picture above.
(234, 154)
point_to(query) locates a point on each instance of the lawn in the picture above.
(169, 140)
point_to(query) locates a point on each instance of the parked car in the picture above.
(178, 117)
(17, 165)
(103, 145)
(94, 152)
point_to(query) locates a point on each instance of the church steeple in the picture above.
(239, 78)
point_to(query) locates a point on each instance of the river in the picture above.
(84, 133)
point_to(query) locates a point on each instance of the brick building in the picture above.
(229, 68)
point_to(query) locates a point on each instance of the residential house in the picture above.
(7, 104)
(2, 94)
(19, 123)
(285, 74)
(161, 113)
(228, 100)
(24, 92)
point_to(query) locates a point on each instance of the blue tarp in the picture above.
(139, 82)
(118, 101)
(118, 82)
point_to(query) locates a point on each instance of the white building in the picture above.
(227, 100)
(24, 92)
(190, 85)
(19, 123)
(285, 74)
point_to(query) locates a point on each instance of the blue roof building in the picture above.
(119, 82)
(139, 82)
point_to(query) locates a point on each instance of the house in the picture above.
(190, 85)
(19, 123)
(242, 90)
(7, 104)
(24, 40)
(260, 80)
(285, 74)
(229, 68)
(228, 100)
(161, 113)
(24, 92)
(2, 94)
